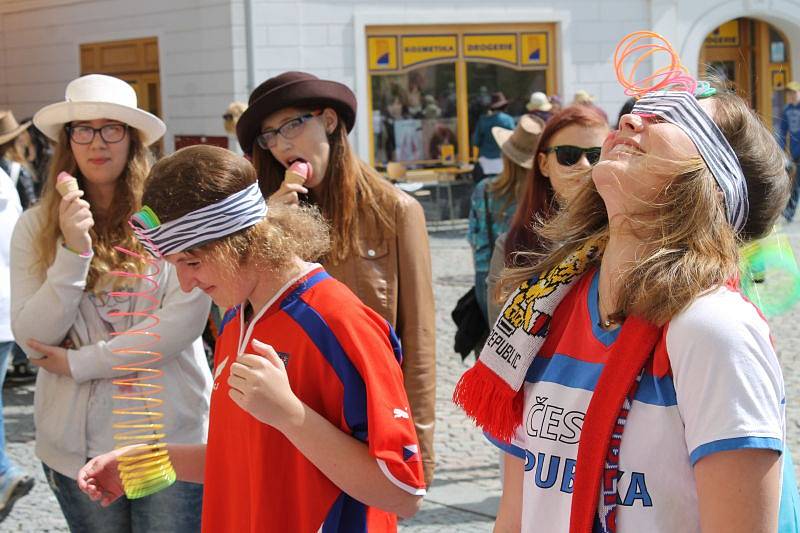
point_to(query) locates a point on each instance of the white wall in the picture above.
(40, 42)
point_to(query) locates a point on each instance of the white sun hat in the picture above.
(538, 102)
(97, 96)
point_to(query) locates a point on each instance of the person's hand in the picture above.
(99, 478)
(288, 194)
(260, 386)
(75, 220)
(54, 359)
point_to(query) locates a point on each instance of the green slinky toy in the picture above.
(770, 277)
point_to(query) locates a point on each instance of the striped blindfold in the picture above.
(682, 109)
(210, 223)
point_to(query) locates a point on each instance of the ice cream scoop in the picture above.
(297, 173)
(66, 183)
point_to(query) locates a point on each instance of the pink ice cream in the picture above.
(66, 183)
(298, 172)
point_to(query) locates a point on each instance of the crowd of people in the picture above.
(605, 260)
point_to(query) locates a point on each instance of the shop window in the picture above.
(414, 115)
(483, 79)
(430, 84)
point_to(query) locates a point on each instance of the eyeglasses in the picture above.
(110, 133)
(227, 116)
(569, 155)
(288, 130)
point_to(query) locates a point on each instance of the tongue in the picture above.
(302, 168)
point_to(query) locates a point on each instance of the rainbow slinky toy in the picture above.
(770, 277)
(146, 469)
(640, 46)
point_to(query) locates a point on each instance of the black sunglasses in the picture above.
(569, 155)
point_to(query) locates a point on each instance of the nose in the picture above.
(282, 145)
(631, 122)
(185, 279)
(98, 141)
(582, 164)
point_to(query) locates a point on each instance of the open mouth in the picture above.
(291, 162)
(626, 147)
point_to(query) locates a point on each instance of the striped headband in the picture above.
(212, 222)
(682, 109)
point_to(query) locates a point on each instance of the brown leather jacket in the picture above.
(392, 275)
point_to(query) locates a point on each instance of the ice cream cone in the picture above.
(66, 184)
(293, 177)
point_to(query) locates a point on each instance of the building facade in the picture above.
(422, 71)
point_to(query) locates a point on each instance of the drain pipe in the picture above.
(250, 32)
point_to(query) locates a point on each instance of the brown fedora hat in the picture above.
(520, 145)
(293, 89)
(9, 128)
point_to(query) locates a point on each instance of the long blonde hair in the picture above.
(353, 197)
(692, 247)
(110, 229)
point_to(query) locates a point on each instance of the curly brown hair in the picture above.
(198, 176)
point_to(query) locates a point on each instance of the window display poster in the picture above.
(408, 139)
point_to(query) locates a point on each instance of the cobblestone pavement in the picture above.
(465, 493)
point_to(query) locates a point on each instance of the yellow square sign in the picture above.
(534, 49)
(382, 53)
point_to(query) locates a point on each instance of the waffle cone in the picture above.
(67, 186)
(293, 177)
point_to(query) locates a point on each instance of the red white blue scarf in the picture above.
(491, 391)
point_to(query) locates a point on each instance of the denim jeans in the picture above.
(176, 509)
(5, 353)
(480, 293)
(791, 207)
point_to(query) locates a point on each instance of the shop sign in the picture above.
(725, 35)
(382, 53)
(534, 49)
(498, 47)
(418, 49)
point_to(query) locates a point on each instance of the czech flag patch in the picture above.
(411, 453)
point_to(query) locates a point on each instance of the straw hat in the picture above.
(539, 102)
(583, 97)
(9, 128)
(97, 96)
(520, 145)
(793, 86)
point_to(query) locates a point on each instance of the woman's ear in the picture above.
(330, 119)
(543, 164)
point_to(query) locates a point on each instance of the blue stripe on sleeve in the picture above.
(737, 443)
(355, 392)
(510, 449)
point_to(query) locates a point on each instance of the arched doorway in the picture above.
(752, 56)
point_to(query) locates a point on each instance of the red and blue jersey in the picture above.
(342, 360)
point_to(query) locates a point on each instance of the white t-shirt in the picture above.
(10, 209)
(715, 384)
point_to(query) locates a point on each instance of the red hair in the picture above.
(537, 202)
